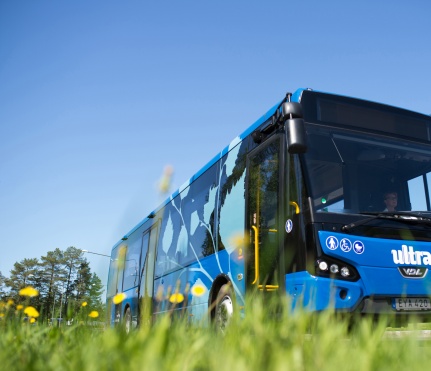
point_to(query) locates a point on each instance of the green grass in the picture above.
(260, 341)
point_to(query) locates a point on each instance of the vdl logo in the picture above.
(407, 255)
(413, 272)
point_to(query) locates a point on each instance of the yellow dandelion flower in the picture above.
(159, 295)
(165, 181)
(238, 240)
(31, 312)
(28, 291)
(176, 298)
(10, 302)
(84, 304)
(94, 314)
(1, 315)
(117, 299)
(198, 290)
(121, 257)
(19, 307)
(32, 320)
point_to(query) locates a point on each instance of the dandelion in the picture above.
(198, 290)
(117, 299)
(176, 298)
(31, 312)
(159, 295)
(10, 302)
(93, 314)
(84, 304)
(19, 307)
(238, 240)
(121, 259)
(165, 181)
(28, 291)
(32, 320)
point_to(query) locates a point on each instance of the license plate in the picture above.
(411, 304)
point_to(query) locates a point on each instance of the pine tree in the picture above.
(2, 286)
(64, 281)
(54, 277)
(94, 295)
(79, 287)
(23, 274)
(72, 260)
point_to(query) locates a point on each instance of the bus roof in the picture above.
(295, 98)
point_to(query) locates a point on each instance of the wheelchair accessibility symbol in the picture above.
(345, 245)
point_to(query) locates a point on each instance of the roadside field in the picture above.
(259, 341)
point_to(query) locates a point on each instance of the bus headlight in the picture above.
(323, 266)
(333, 268)
(345, 272)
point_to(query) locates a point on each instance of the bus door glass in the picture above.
(116, 273)
(146, 288)
(263, 215)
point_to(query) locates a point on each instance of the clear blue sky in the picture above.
(96, 97)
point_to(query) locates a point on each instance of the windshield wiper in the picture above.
(399, 216)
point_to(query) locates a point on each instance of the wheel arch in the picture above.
(219, 281)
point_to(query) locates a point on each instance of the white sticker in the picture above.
(358, 247)
(289, 226)
(345, 245)
(331, 243)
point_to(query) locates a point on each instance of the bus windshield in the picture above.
(352, 172)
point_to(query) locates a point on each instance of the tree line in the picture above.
(64, 280)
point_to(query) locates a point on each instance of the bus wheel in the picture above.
(127, 320)
(224, 307)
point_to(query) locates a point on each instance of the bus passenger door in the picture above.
(115, 282)
(263, 216)
(146, 287)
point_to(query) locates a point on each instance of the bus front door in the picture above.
(263, 216)
(146, 287)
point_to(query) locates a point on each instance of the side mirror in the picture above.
(294, 126)
(296, 137)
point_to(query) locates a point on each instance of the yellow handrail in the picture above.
(297, 209)
(256, 254)
(268, 287)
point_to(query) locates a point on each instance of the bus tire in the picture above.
(225, 305)
(127, 321)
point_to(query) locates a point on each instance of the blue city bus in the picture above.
(325, 199)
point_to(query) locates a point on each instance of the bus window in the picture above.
(419, 192)
(187, 228)
(131, 265)
(428, 191)
(149, 243)
(113, 273)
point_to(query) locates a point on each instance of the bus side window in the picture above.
(418, 192)
(131, 264)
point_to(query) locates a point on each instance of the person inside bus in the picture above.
(391, 201)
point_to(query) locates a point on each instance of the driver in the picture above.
(391, 201)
